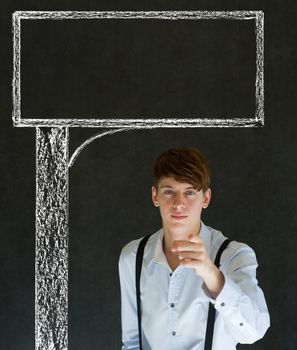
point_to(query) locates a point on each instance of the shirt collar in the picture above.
(157, 253)
(206, 237)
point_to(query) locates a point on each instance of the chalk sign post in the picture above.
(53, 161)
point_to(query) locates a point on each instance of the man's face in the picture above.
(180, 205)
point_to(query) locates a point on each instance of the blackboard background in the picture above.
(253, 183)
(141, 68)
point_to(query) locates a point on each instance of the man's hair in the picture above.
(184, 165)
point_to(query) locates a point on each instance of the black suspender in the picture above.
(211, 310)
(139, 257)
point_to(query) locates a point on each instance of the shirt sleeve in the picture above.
(241, 302)
(128, 299)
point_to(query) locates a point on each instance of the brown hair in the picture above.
(184, 165)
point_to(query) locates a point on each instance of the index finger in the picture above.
(184, 246)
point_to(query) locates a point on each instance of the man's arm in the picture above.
(233, 289)
(241, 302)
(128, 298)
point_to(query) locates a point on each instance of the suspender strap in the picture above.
(212, 310)
(139, 257)
(220, 251)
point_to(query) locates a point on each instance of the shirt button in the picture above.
(222, 304)
(173, 333)
(241, 324)
(170, 274)
(172, 305)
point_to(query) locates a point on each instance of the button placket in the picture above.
(173, 300)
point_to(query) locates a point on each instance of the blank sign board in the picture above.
(151, 69)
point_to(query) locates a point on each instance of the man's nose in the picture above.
(179, 202)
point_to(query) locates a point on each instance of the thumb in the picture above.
(193, 238)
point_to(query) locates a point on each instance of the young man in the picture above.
(179, 277)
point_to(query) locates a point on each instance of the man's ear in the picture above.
(206, 199)
(154, 196)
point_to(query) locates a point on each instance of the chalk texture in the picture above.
(51, 261)
(156, 121)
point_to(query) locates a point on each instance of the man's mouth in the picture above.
(178, 217)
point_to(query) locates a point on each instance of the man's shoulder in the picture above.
(234, 247)
(130, 249)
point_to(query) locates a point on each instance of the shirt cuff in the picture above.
(227, 298)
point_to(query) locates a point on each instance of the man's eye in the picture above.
(168, 192)
(190, 193)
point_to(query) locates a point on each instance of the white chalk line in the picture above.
(90, 140)
(16, 80)
(259, 84)
(143, 123)
(258, 120)
(170, 15)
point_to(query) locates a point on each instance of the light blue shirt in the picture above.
(175, 304)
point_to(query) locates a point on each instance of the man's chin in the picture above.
(179, 229)
(182, 229)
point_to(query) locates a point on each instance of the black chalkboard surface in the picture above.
(120, 70)
(138, 67)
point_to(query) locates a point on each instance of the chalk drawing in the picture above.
(91, 139)
(53, 164)
(51, 244)
(158, 121)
